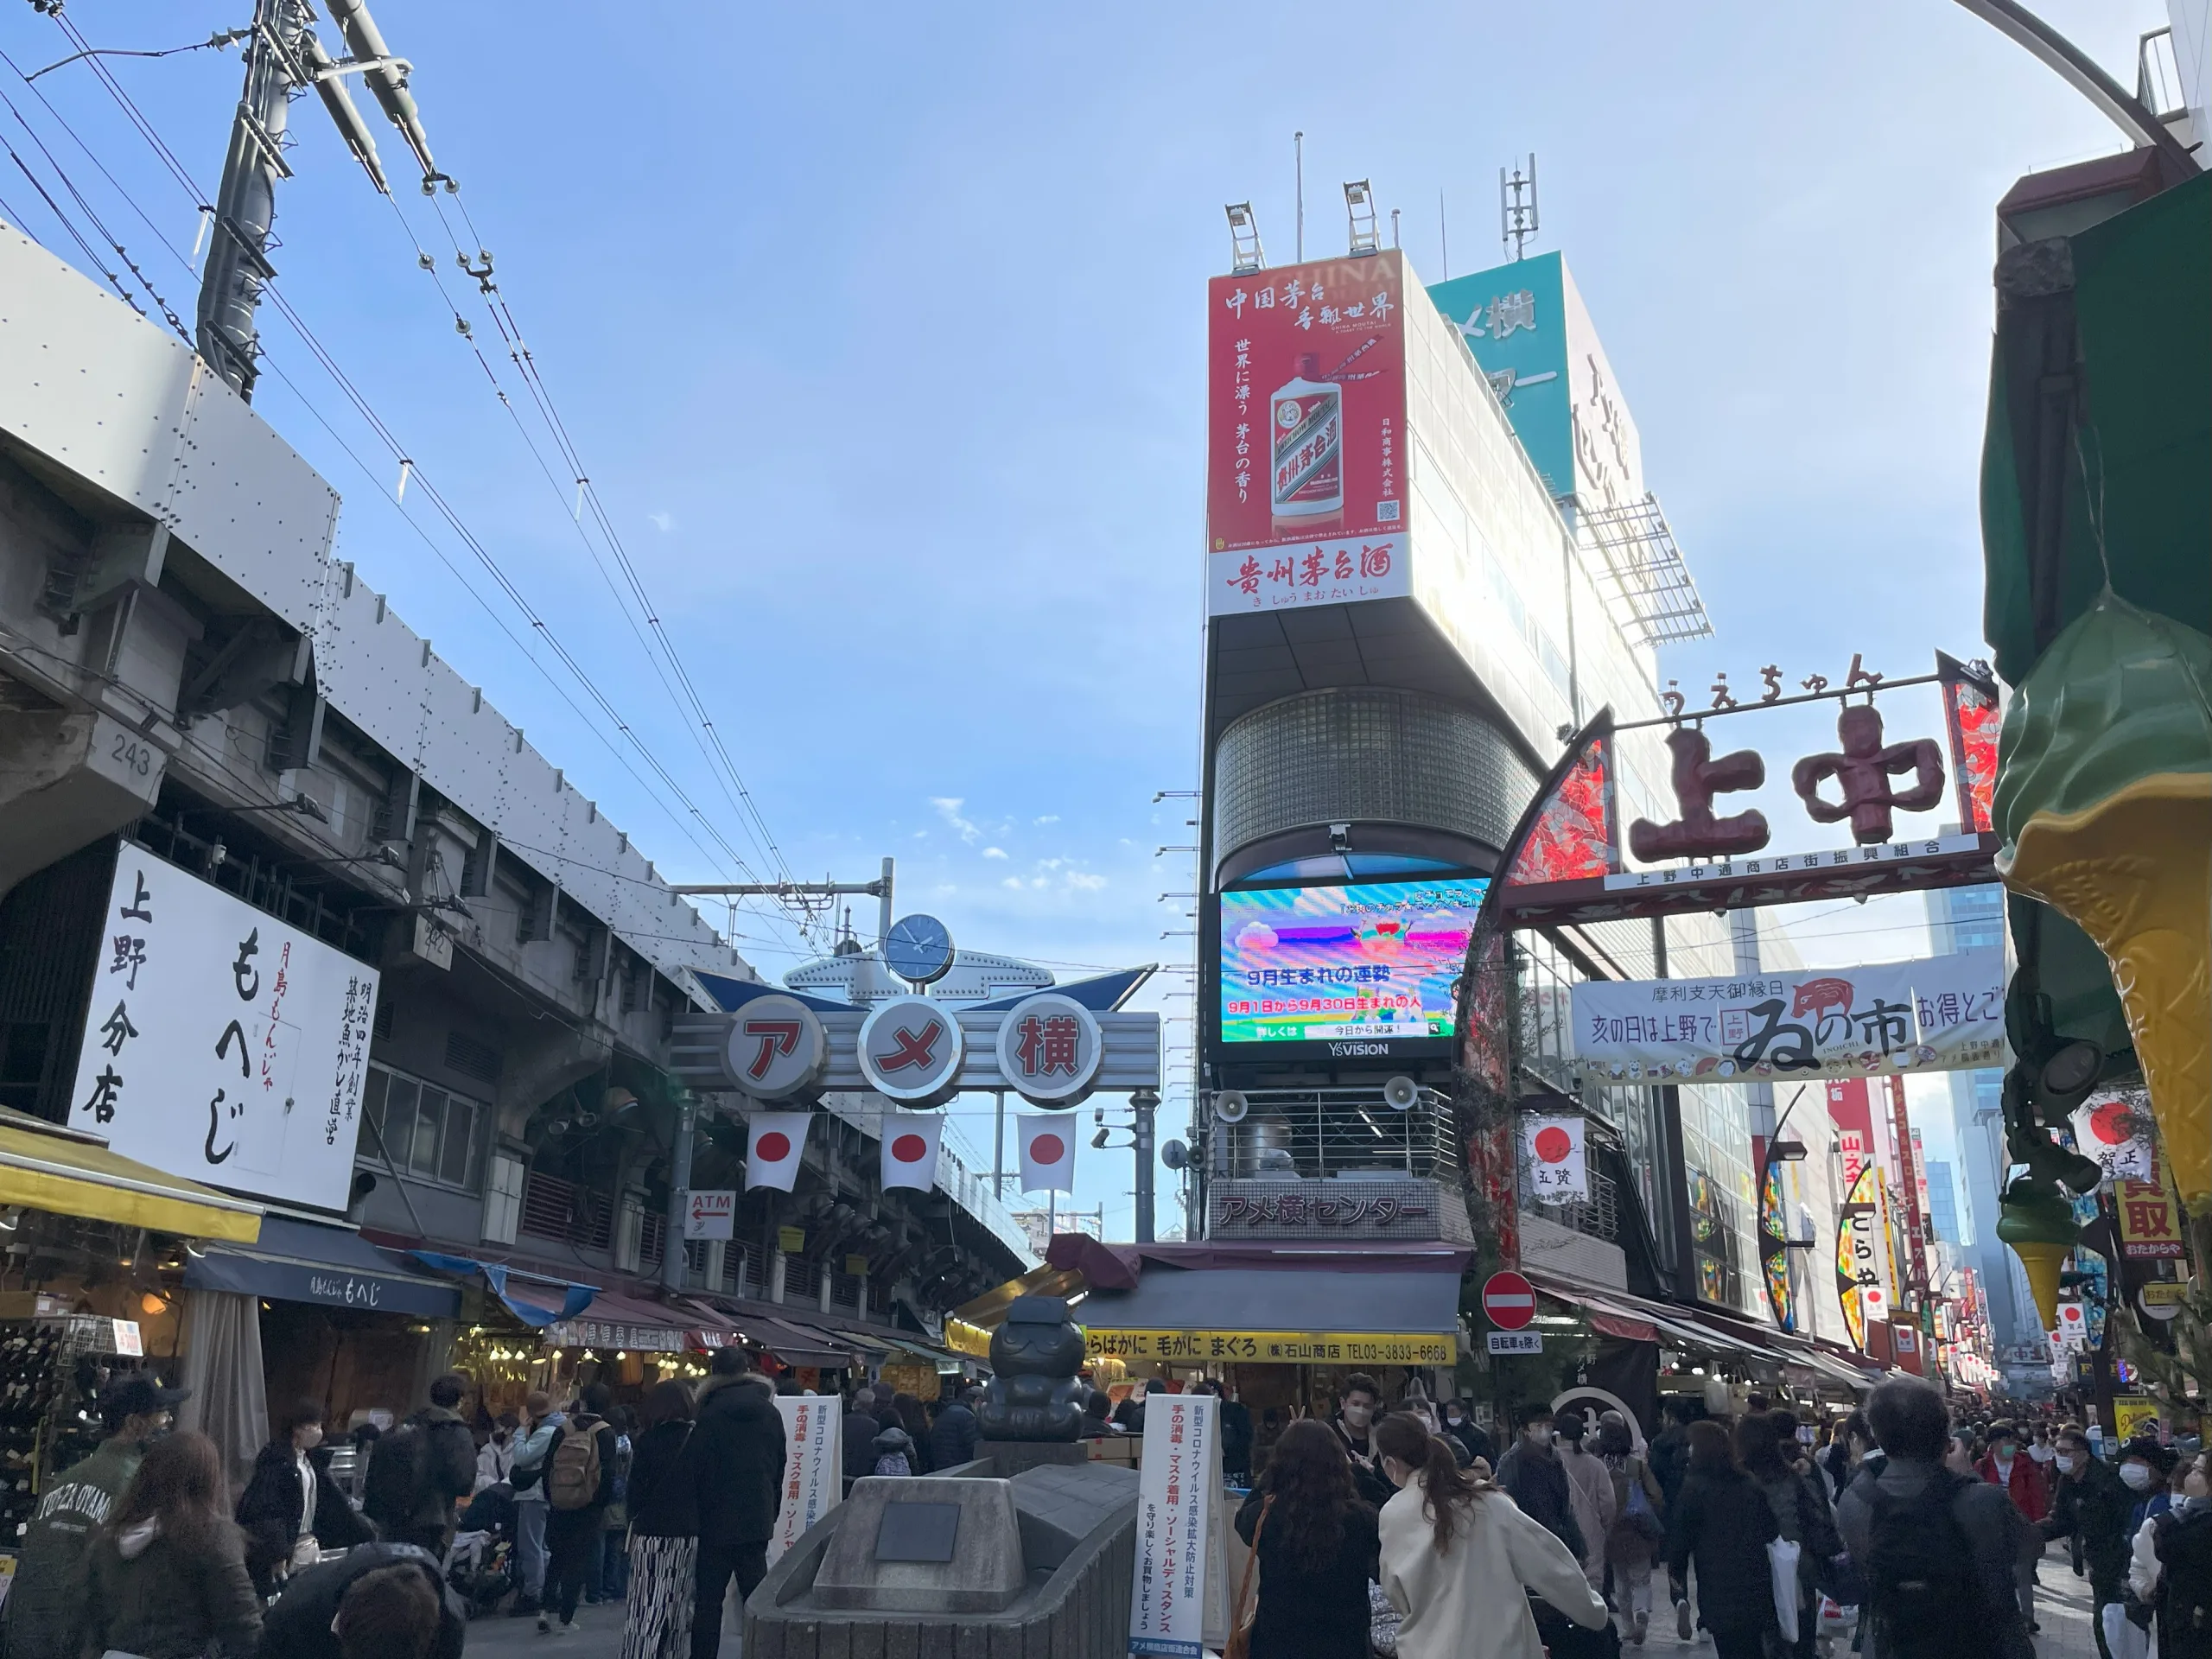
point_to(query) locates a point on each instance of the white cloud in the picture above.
(662, 522)
(1050, 818)
(994, 852)
(947, 808)
(1085, 883)
(1013, 881)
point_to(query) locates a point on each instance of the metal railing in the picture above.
(1318, 1133)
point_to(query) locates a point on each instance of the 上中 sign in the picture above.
(813, 1480)
(1516, 1342)
(1271, 1347)
(1178, 1489)
(1049, 1049)
(910, 1051)
(710, 1214)
(1509, 1301)
(1944, 1014)
(221, 1044)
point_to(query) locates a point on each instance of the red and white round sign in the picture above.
(1049, 1048)
(1509, 1301)
(910, 1051)
(776, 1048)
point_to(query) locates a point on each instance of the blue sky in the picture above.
(879, 333)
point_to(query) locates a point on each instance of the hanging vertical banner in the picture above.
(777, 1144)
(1552, 1152)
(2113, 1127)
(1178, 1491)
(813, 1467)
(910, 1144)
(1047, 1150)
(2150, 1221)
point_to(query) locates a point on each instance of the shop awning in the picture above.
(623, 1323)
(75, 1175)
(968, 1328)
(1637, 1319)
(1286, 1306)
(796, 1343)
(536, 1301)
(333, 1267)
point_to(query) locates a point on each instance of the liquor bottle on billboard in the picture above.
(1307, 418)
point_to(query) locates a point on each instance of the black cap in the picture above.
(136, 1393)
(2151, 1452)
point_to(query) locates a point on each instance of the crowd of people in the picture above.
(1394, 1533)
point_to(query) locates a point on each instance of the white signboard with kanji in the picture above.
(1177, 1565)
(1552, 1151)
(1049, 1049)
(223, 1044)
(813, 1480)
(1945, 1014)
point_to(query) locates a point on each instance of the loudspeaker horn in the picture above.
(1229, 1106)
(1401, 1093)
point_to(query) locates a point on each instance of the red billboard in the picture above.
(1305, 435)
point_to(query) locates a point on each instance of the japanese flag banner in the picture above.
(779, 1142)
(1047, 1152)
(2114, 1127)
(910, 1142)
(1552, 1152)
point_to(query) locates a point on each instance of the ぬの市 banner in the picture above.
(1946, 1013)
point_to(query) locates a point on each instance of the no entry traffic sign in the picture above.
(1510, 1300)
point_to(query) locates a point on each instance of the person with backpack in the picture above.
(2094, 1504)
(1720, 1521)
(527, 1474)
(578, 1485)
(1766, 1445)
(739, 1444)
(2170, 1575)
(2004, 1466)
(609, 1577)
(1638, 1527)
(1939, 1552)
(420, 1472)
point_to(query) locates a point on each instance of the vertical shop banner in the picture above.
(2114, 1127)
(221, 1044)
(1306, 436)
(1552, 1151)
(2150, 1220)
(813, 1467)
(1178, 1495)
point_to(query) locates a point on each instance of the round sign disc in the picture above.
(1050, 1049)
(911, 1050)
(1510, 1300)
(918, 948)
(776, 1048)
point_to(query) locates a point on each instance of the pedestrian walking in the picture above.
(738, 1444)
(1639, 1525)
(2170, 1573)
(422, 1470)
(954, 1436)
(861, 1428)
(1939, 1552)
(918, 1433)
(374, 1602)
(1235, 1434)
(540, 1424)
(1315, 1540)
(2094, 1504)
(664, 1530)
(1353, 1425)
(1459, 1426)
(1720, 1521)
(2018, 1478)
(1458, 1559)
(165, 1577)
(578, 1485)
(1533, 1478)
(291, 1508)
(1670, 1457)
(44, 1612)
(1590, 1493)
(1800, 1506)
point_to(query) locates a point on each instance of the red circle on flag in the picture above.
(1554, 1144)
(2110, 1124)
(910, 1148)
(1048, 1149)
(772, 1147)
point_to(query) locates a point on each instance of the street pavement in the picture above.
(2061, 1606)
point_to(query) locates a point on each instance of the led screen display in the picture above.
(1372, 960)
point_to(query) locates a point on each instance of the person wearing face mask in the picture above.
(1354, 1424)
(2016, 1476)
(1590, 1491)
(1459, 1425)
(2093, 1504)
(1533, 1478)
(291, 1508)
(2171, 1568)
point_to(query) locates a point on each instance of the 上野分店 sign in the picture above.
(1272, 1347)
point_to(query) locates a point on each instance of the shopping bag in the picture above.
(1835, 1618)
(1782, 1559)
(2121, 1636)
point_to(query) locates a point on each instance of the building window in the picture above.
(427, 1133)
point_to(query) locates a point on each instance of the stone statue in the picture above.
(1035, 1394)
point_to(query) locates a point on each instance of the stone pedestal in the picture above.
(1009, 1457)
(979, 1570)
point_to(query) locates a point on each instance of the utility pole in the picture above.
(1143, 1103)
(879, 889)
(675, 1257)
(283, 58)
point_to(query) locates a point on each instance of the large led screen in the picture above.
(1375, 960)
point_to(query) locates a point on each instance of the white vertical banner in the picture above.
(1177, 1554)
(1552, 1152)
(910, 1148)
(778, 1143)
(1047, 1150)
(813, 1467)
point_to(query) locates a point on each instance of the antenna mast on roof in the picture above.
(1516, 207)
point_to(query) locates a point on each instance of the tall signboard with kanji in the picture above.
(1306, 429)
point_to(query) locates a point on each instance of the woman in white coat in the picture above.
(1457, 1555)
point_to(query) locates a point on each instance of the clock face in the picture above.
(918, 950)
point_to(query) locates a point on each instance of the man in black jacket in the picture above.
(1534, 1478)
(420, 1472)
(299, 1624)
(738, 1442)
(954, 1436)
